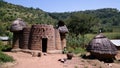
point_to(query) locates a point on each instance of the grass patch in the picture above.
(4, 47)
(113, 35)
(5, 58)
(79, 50)
(76, 50)
(116, 28)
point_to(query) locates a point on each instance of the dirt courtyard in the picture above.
(24, 60)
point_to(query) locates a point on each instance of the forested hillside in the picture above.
(108, 17)
(102, 19)
(10, 12)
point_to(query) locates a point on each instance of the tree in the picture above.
(80, 23)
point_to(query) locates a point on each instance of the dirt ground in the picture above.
(24, 60)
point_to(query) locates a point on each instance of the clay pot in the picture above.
(69, 55)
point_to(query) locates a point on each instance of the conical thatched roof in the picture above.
(101, 45)
(63, 29)
(17, 25)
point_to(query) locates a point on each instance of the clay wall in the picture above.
(25, 38)
(39, 32)
(38, 37)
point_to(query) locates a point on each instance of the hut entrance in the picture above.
(44, 45)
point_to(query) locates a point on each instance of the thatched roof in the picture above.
(102, 45)
(63, 29)
(18, 25)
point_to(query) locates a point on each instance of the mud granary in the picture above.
(42, 37)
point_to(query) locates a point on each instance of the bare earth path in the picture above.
(25, 60)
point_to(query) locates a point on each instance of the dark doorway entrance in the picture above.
(44, 45)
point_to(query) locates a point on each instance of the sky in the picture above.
(67, 5)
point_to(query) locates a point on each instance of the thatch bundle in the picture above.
(63, 29)
(100, 46)
(17, 25)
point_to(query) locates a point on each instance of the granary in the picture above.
(17, 27)
(101, 47)
(41, 37)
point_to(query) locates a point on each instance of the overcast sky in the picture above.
(67, 5)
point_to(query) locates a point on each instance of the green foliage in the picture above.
(80, 23)
(75, 43)
(76, 50)
(60, 16)
(77, 21)
(104, 19)
(114, 35)
(5, 58)
(116, 28)
(5, 47)
(10, 12)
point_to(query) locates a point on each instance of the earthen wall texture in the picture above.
(38, 32)
(58, 40)
(17, 39)
(25, 38)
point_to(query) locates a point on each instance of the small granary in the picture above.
(41, 37)
(17, 27)
(101, 47)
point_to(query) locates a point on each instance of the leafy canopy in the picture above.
(80, 23)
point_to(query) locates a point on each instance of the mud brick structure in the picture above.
(42, 37)
(25, 38)
(17, 38)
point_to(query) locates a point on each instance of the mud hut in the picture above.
(101, 47)
(41, 37)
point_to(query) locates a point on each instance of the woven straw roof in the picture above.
(18, 25)
(63, 29)
(102, 45)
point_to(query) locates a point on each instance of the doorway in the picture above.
(44, 45)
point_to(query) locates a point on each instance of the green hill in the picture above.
(108, 17)
(9, 12)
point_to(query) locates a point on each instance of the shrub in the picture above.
(79, 50)
(75, 43)
(5, 47)
(5, 58)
